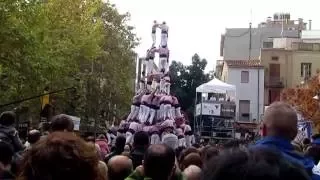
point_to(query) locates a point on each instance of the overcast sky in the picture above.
(195, 26)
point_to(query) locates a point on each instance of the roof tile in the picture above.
(244, 63)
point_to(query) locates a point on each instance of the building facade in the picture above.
(248, 77)
(245, 43)
(289, 64)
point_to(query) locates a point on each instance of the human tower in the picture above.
(153, 108)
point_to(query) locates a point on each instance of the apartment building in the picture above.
(248, 77)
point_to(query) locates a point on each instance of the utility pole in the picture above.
(250, 40)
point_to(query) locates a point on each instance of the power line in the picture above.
(34, 97)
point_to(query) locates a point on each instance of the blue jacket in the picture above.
(286, 148)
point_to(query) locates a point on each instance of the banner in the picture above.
(211, 109)
(304, 131)
(228, 110)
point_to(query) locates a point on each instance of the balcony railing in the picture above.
(274, 82)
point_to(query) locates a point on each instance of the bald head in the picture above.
(119, 167)
(280, 119)
(192, 172)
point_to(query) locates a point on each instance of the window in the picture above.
(274, 58)
(244, 76)
(244, 110)
(305, 69)
(267, 44)
(306, 46)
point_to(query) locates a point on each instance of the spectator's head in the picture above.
(141, 140)
(63, 156)
(62, 122)
(34, 136)
(120, 143)
(170, 140)
(186, 152)
(159, 162)
(191, 159)
(280, 119)
(252, 164)
(7, 118)
(192, 172)
(208, 152)
(119, 167)
(6, 154)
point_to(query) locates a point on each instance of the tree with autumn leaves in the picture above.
(302, 99)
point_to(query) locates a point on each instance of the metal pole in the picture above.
(250, 40)
(201, 115)
(258, 100)
(195, 113)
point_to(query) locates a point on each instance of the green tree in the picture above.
(66, 43)
(185, 80)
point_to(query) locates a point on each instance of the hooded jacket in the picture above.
(10, 134)
(288, 151)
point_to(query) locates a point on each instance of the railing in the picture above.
(306, 46)
(274, 82)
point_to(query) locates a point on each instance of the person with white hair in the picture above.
(169, 138)
(164, 34)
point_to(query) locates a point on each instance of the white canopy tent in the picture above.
(215, 86)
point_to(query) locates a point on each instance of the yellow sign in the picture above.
(44, 99)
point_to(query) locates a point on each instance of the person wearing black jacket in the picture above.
(6, 160)
(140, 145)
(118, 149)
(8, 132)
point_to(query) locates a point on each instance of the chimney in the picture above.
(310, 24)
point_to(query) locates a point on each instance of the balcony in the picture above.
(274, 82)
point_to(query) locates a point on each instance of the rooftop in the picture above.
(244, 63)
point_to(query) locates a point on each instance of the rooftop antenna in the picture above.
(251, 15)
(282, 22)
(250, 35)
